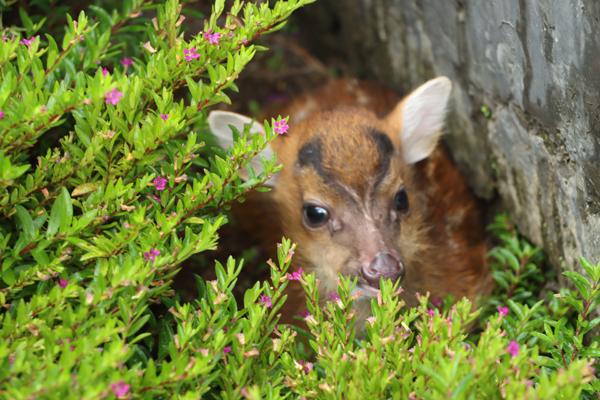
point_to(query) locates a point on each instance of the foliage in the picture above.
(562, 324)
(107, 185)
(521, 350)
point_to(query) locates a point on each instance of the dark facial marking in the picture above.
(310, 156)
(386, 150)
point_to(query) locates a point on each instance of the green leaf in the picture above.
(61, 214)
(593, 271)
(25, 223)
(84, 188)
(9, 277)
(580, 282)
(26, 21)
(137, 325)
(40, 256)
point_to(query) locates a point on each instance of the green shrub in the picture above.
(108, 184)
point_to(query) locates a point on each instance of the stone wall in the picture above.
(525, 123)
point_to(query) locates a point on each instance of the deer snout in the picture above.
(384, 265)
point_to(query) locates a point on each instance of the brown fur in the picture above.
(441, 239)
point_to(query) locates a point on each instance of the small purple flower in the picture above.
(120, 389)
(126, 62)
(266, 300)
(436, 302)
(62, 282)
(513, 348)
(1, 114)
(227, 349)
(306, 366)
(160, 183)
(113, 97)
(296, 275)
(164, 117)
(304, 314)
(104, 71)
(431, 312)
(152, 254)
(281, 126)
(529, 383)
(212, 38)
(190, 54)
(503, 311)
(333, 296)
(28, 42)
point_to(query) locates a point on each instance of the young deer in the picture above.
(373, 197)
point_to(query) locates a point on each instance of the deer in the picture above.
(367, 191)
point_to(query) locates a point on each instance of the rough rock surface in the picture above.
(526, 118)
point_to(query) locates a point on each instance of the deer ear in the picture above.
(221, 123)
(420, 118)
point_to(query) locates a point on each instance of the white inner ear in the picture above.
(220, 123)
(423, 113)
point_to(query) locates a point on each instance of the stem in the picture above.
(584, 316)
(30, 135)
(515, 285)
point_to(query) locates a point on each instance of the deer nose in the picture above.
(384, 265)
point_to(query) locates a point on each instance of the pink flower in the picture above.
(306, 366)
(113, 97)
(213, 38)
(227, 349)
(513, 348)
(164, 116)
(126, 62)
(1, 114)
(160, 183)
(152, 254)
(296, 275)
(503, 311)
(266, 300)
(28, 42)
(333, 296)
(431, 312)
(281, 126)
(436, 302)
(190, 54)
(62, 282)
(104, 71)
(120, 389)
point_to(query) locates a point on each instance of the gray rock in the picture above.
(534, 67)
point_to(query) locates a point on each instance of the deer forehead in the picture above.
(343, 156)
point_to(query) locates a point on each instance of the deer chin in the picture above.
(365, 290)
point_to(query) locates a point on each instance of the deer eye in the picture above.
(401, 201)
(315, 216)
